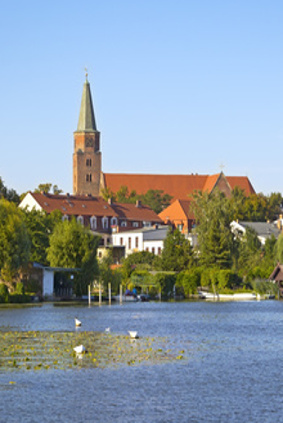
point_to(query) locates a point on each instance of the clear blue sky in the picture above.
(178, 86)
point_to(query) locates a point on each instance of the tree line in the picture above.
(220, 260)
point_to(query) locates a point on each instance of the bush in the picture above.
(4, 293)
(166, 281)
(189, 281)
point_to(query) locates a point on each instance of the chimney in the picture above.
(138, 203)
(110, 201)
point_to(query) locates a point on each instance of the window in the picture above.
(129, 243)
(93, 222)
(135, 224)
(137, 242)
(159, 251)
(114, 221)
(80, 220)
(123, 224)
(146, 249)
(153, 250)
(65, 217)
(146, 224)
(88, 162)
(105, 222)
(88, 177)
(121, 241)
(180, 227)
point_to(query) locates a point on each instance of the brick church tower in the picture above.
(87, 155)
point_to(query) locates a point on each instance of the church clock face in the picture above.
(89, 142)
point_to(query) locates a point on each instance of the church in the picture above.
(89, 179)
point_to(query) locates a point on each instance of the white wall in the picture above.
(153, 244)
(30, 203)
(48, 282)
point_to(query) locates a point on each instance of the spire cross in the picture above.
(86, 74)
(221, 166)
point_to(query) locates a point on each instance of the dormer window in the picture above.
(88, 177)
(114, 221)
(135, 224)
(88, 162)
(65, 217)
(105, 222)
(93, 222)
(80, 220)
(124, 224)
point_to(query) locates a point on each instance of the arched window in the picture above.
(114, 221)
(65, 217)
(80, 220)
(105, 222)
(93, 222)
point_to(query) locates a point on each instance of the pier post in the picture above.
(100, 299)
(109, 292)
(121, 294)
(89, 297)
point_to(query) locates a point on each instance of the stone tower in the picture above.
(87, 155)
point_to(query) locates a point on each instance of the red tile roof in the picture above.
(178, 210)
(94, 206)
(178, 186)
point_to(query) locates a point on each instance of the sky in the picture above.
(178, 86)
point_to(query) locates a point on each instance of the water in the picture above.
(233, 372)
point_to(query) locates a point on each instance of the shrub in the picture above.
(4, 293)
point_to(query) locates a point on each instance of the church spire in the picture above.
(86, 119)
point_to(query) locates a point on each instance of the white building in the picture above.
(143, 239)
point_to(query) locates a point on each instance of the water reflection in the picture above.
(233, 373)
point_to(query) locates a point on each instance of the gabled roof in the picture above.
(86, 118)
(178, 186)
(74, 204)
(134, 212)
(263, 229)
(277, 274)
(85, 205)
(178, 210)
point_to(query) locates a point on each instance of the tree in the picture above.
(47, 188)
(177, 253)
(8, 194)
(14, 243)
(40, 226)
(73, 246)
(156, 200)
(215, 239)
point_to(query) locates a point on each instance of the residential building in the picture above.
(100, 216)
(264, 230)
(143, 239)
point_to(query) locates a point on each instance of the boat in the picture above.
(125, 298)
(244, 296)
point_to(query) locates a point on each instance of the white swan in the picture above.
(133, 334)
(79, 349)
(77, 322)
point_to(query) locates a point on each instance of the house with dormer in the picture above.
(102, 217)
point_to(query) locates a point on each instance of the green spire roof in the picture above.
(86, 119)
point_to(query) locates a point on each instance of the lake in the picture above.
(232, 371)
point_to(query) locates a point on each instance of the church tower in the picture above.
(87, 155)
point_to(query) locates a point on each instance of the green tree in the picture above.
(177, 252)
(40, 226)
(73, 246)
(156, 200)
(279, 249)
(47, 187)
(215, 239)
(8, 194)
(14, 243)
